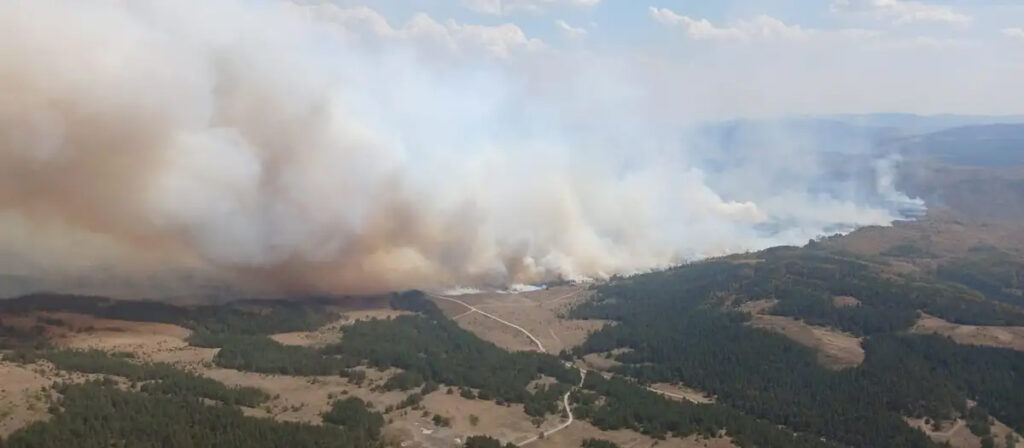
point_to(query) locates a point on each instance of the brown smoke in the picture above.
(257, 143)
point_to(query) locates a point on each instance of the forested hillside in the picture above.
(163, 406)
(681, 326)
(689, 325)
(94, 415)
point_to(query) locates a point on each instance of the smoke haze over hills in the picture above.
(276, 145)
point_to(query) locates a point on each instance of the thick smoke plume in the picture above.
(268, 144)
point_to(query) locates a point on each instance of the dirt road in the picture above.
(565, 398)
(474, 309)
(568, 411)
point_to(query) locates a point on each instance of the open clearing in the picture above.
(579, 431)
(836, 349)
(680, 392)
(304, 398)
(538, 312)
(1004, 337)
(331, 333)
(22, 400)
(25, 393)
(957, 435)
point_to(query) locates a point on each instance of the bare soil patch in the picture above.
(991, 336)
(836, 350)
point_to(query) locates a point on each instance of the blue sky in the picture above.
(622, 18)
(733, 57)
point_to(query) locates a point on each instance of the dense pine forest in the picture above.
(241, 317)
(679, 328)
(95, 415)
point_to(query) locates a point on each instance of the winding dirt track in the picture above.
(568, 410)
(474, 309)
(540, 347)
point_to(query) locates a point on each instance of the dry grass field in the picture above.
(580, 431)
(539, 312)
(957, 435)
(1004, 337)
(331, 333)
(836, 349)
(22, 396)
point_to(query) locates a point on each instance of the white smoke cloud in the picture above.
(273, 142)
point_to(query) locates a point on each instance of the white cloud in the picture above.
(760, 27)
(766, 28)
(569, 31)
(498, 40)
(498, 7)
(902, 11)
(1014, 33)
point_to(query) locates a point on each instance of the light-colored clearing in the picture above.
(496, 332)
(600, 362)
(1004, 337)
(680, 392)
(574, 435)
(757, 306)
(148, 341)
(538, 312)
(304, 398)
(331, 332)
(505, 423)
(958, 435)
(845, 301)
(26, 394)
(836, 350)
(22, 400)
